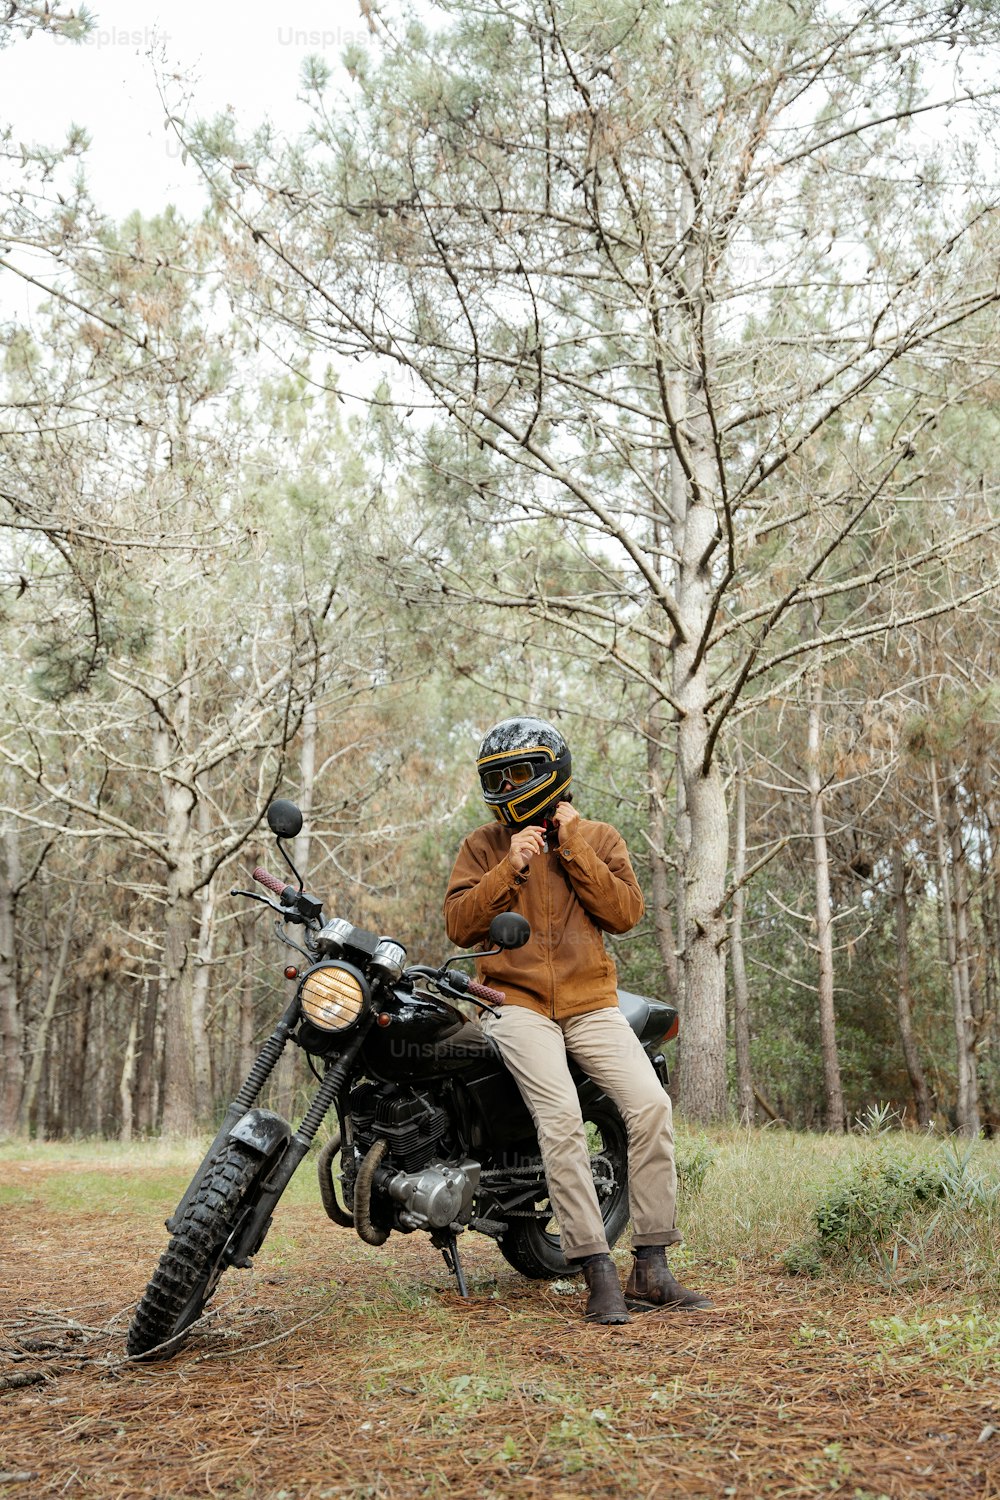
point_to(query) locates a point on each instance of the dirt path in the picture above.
(334, 1370)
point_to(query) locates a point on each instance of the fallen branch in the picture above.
(263, 1344)
(768, 1107)
(22, 1378)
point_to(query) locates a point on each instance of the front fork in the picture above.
(253, 1231)
(266, 1062)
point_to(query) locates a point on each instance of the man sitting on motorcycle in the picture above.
(572, 880)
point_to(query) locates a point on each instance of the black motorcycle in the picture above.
(433, 1133)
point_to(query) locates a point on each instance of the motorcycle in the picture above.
(432, 1133)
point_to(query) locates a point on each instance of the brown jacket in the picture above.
(581, 888)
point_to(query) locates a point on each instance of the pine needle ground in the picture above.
(334, 1371)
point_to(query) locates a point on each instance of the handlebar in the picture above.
(270, 882)
(460, 984)
(297, 906)
(492, 997)
(457, 983)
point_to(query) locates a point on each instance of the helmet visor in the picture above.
(518, 773)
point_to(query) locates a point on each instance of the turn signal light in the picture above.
(291, 972)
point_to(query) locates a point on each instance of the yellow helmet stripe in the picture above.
(520, 754)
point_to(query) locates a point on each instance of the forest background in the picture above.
(631, 365)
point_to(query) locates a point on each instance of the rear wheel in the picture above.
(193, 1262)
(533, 1246)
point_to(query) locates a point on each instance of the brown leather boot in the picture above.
(652, 1285)
(605, 1303)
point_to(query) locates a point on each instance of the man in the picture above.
(572, 880)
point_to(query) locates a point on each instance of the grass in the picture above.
(902, 1209)
(340, 1370)
(745, 1196)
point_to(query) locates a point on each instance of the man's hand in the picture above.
(565, 818)
(524, 845)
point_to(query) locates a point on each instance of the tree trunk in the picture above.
(75, 1085)
(11, 1030)
(247, 1047)
(991, 947)
(741, 994)
(704, 827)
(126, 1083)
(904, 1011)
(704, 841)
(286, 1074)
(180, 1113)
(96, 1087)
(145, 1090)
(833, 1091)
(40, 1058)
(967, 1094)
(967, 970)
(180, 1105)
(200, 985)
(659, 873)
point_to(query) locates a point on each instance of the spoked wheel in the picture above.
(532, 1246)
(193, 1262)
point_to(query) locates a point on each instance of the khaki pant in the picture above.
(535, 1049)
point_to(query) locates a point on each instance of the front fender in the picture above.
(262, 1131)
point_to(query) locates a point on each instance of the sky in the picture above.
(248, 57)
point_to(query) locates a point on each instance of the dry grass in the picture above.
(335, 1370)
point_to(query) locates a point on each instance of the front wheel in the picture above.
(532, 1245)
(195, 1259)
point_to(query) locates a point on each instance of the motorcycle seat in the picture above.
(635, 1009)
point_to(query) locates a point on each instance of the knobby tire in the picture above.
(193, 1262)
(533, 1249)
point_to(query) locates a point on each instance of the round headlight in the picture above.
(333, 996)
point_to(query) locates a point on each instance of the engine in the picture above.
(424, 1191)
(440, 1195)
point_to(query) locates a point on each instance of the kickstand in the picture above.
(448, 1245)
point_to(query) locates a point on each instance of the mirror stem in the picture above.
(478, 953)
(288, 862)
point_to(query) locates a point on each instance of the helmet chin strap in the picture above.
(544, 819)
(541, 819)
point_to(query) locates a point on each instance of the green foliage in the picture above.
(931, 1221)
(961, 723)
(803, 1260)
(877, 1120)
(910, 1212)
(966, 1343)
(868, 1207)
(694, 1158)
(21, 17)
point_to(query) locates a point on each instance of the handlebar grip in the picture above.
(271, 882)
(493, 997)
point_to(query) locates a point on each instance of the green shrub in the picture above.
(866, 1209)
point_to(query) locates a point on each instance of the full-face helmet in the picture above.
(524, 768)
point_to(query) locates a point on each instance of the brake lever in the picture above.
(264, 900)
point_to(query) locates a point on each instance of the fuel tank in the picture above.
(425, 1041)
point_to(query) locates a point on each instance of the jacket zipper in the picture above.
(548, 930)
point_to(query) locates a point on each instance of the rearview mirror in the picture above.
(509, 930)
(284, 819)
